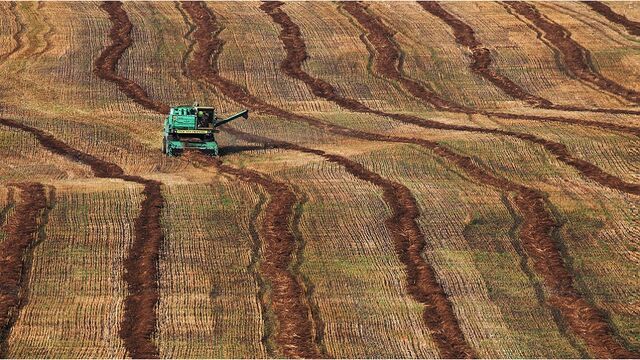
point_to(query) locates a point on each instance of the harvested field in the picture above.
(414, 180)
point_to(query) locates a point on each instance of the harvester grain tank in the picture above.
(193, 127)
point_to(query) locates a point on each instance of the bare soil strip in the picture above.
(576, 57)
(17, 36)
(295, 327)
(296, 330)
(48, 33)
(106, 63)
(481, 62)
(388, 64)
(140, 319)
(583, 318)
(633, 27)
(409, 239)
(296, 55)
(21, 236)
(8, 207)
(141, 273)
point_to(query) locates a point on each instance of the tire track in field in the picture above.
(296, 330)
(632, 27)
(141, 273)
(409, 240)
(296, 55)
(536, 230)
(21, 237)
(482, 61)
(17, 36)
(576, 57)
(389, 60)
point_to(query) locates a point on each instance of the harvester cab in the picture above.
(193, 127)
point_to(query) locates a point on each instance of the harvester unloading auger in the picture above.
(193, 127)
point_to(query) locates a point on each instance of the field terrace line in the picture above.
(388, 64)
(482, 61)
(296, 55)
(21, 238)
(575, 56)
(584, 319)
(632, 27)
(409, 240)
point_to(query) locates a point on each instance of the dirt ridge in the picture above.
(46, 37)
(632, 27)
(295, 330)
(296, 55)
(407, 236)
(482, 61)
(17, 36)
(21, 236)
(576, 57)
(538, 224)
(10, 204)
(389, 51)
(141, 265)
(285, 287)
(105, 65)
(141, 271)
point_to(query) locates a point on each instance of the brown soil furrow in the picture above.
(106, 63)
(535, 232)
(48, 33)
(287, 292)
(409, 239)
(583, 318)
(141, 274)
(481, 56)
(8, 207)
(21, 236)
(140, 319)
(387, 58)
(296, 55)
(17, 36)
(482, 61)
(633, 27)
(295, 327)
(576, 57)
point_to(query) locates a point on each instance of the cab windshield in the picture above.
(205, 118)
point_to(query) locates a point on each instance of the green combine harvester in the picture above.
(193, 127)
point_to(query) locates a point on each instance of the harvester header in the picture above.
(193, 127)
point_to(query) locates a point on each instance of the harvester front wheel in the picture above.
(164, 145)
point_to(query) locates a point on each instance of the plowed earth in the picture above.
(481, 62)
(21, 236)
(576, 57)
(633, 27)
(545, 206)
